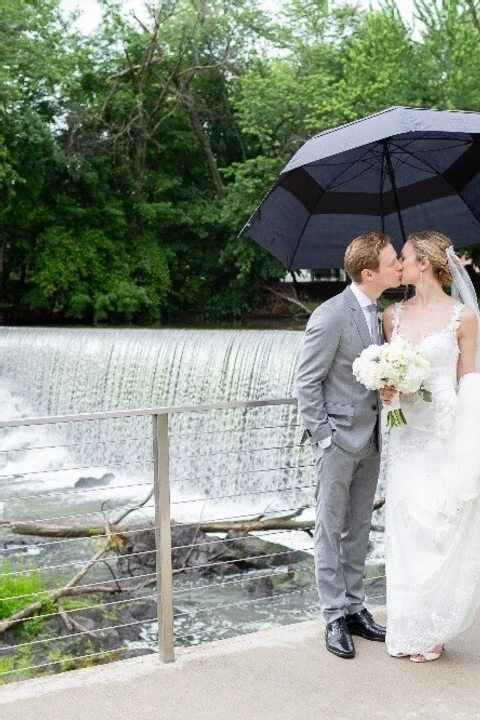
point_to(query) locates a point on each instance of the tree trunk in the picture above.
(197, 127)
(473, 14)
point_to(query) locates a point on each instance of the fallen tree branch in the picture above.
(113, 541)
(254, 524)
(53, 596)
(30, 527)
(289, 299)
(126, 513)
(72, 624)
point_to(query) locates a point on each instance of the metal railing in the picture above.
(239, 436)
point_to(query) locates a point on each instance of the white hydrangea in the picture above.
(397, 364)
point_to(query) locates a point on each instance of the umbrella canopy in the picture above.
(399, 171)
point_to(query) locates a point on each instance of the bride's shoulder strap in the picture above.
(456, 316)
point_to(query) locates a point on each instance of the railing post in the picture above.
(163, 538)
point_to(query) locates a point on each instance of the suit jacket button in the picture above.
(374, 407)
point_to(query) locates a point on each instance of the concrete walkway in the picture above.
(280, 674)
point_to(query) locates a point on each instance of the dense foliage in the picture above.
(131, 157)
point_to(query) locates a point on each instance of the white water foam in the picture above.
(213, 455)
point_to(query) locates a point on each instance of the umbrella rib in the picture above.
(369, 166)
(430, 138)
(333, 184)
(448, 147)
(415, 167)
(292, 258)
(457, 192)
(323, 191)
(404, 148)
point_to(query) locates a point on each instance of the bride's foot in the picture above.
(428, 656)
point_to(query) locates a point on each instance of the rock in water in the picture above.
(89, 482)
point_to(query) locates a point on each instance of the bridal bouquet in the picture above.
(397, 364)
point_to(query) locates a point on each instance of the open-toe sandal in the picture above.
(426, 657)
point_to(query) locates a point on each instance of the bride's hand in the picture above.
(387, 394)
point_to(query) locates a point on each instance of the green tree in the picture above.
(33, 63)
(130, 159)
(451, 51)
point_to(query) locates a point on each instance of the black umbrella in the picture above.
(399, 171)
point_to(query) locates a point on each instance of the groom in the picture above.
(341, 419)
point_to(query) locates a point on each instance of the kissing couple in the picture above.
(432, 520)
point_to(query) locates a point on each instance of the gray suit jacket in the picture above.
(330, 400)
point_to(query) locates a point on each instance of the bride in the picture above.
(432, 526)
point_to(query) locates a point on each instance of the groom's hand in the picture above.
(387, 394)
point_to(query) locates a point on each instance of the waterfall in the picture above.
(62, 371)
(47, 371)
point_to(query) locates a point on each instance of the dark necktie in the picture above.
(375, 331)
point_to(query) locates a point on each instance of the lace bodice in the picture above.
(440, 348)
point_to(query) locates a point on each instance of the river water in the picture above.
(224, 464)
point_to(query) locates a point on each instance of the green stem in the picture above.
(396, 418)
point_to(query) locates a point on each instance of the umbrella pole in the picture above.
(391, 175)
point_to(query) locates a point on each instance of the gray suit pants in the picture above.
(345, 491)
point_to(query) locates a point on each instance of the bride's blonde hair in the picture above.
(433, 245)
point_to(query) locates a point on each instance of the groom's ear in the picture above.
(366, 275)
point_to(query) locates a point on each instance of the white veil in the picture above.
(462, 466)
(462, 288)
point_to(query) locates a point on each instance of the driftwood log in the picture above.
(254, 524)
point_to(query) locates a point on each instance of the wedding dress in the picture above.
(432, 522)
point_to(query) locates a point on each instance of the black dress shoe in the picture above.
(363, 624)
(338, 639)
